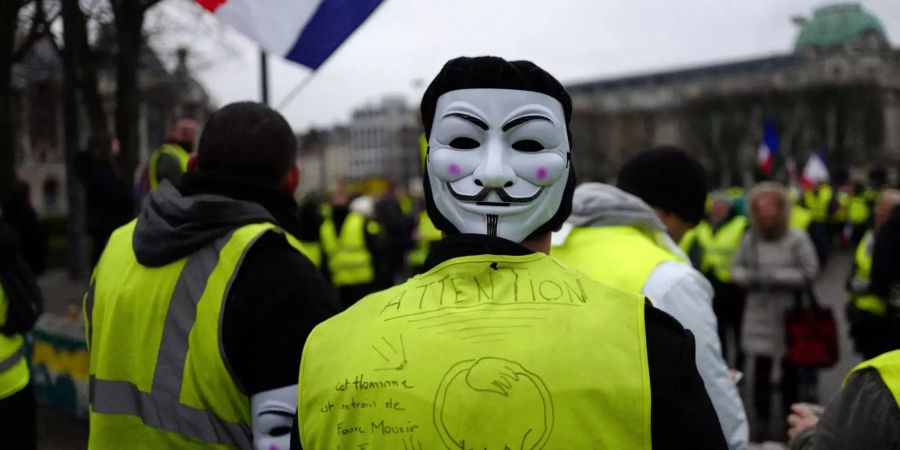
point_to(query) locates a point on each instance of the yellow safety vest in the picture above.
(818, 202)
(428, 235)
(720, 246)
(157, 376)
(800, 218)
(888, 367)
(688, 240)
(349, 260)
(870, 303)
(311, 250)
(864, 256)
(858, 209)
(14, 374)
(622, 257)
(173, 150)
(481, 352)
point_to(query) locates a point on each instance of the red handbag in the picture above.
(811, 332)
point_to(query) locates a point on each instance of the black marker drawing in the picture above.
(491, 387)
(394, 355)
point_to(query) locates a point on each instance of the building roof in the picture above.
(837, 24)
(704, 73)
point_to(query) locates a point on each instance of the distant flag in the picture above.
(765, 158)
(304, 31)
(815, 171)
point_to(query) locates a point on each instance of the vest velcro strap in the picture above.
(10, 361)
(163, 413)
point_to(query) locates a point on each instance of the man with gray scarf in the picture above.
(617, 239)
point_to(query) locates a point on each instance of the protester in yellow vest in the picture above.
(858, 213)
(196, 309)
(425, 236)
(616, 238)
(719, 238)
(822, 204)
(867, 309)
(864, 415)
(170, 160)
(20, 305)
(497, 345)
(349, 237)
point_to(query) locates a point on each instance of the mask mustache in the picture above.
(483, 194)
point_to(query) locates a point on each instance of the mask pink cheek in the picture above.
(541, 173)
(453, 170)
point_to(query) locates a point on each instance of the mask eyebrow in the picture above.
(471, 119)
(520, 120)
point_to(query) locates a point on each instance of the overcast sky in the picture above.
(575, 40)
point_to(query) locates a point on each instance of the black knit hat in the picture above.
(667, 178)
(491, 72)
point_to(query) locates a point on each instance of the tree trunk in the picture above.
(129, 36)
(9, 12)
(86, 68)
(76, 240)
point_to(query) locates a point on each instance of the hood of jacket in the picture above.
(171, 225)
(603, 205)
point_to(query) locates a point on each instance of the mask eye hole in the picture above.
(528, 145)
(464, 143)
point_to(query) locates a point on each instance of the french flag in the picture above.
(815, 171)
(765, 158)
(304, 31)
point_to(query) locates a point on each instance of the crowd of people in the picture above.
(505, 306)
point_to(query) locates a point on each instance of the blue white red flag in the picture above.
(304, 31)
(765, 158)
(816, 170)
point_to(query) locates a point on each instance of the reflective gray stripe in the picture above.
(89, 312)
(122, 397)
(161, 408)
(12, 360)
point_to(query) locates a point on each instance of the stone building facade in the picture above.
(839, 90)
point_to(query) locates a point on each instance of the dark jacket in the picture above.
(20, 215)
(682, 416)
(864, 415)
(277, 295)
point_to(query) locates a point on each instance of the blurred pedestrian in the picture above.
(350, 240)
(469, 355)
(21, 216)
(822, 204)
(617, 239)
(20, 306)
(196, 309)
(772, 264)
(108, 194)
(169, 161)
(395, 238)
(718, 238)
(866, 310)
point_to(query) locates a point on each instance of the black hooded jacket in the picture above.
(277, 295)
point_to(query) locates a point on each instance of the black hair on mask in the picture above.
(491, 72)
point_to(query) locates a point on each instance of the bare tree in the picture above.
(12, 51)
(129, 20)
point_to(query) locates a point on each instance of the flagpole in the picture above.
(296, 90)
(263, 77)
